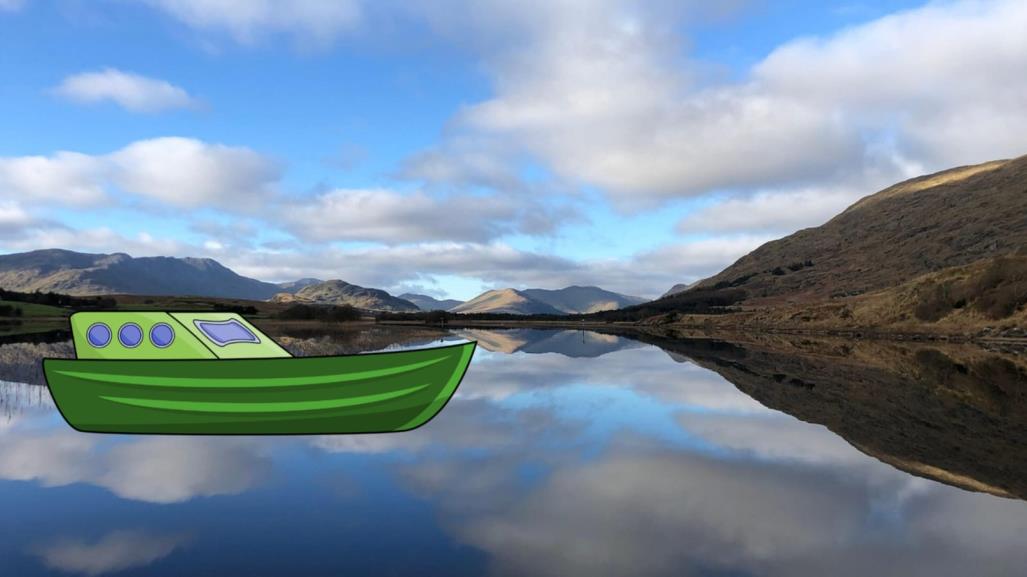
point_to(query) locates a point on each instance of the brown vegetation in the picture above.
(953, 218)
(939, 254)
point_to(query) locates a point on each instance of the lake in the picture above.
(563, 453)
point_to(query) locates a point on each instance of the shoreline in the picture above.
(713, 332)
(693, 328)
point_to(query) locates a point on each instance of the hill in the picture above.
(924, 225)
(338, 292)
(570, 300)
(80, 274)
(296, 285)
(680, 287)
(427, 303)
(508, 301)
(582, 299)
(944, 252)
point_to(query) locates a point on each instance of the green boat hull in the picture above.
(370, 393)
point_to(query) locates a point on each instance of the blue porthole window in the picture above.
(98, 335)
(130, 335)
(162, 335)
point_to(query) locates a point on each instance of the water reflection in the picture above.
(569, 343)
(116, 551)
(956, 414)
(563, 453)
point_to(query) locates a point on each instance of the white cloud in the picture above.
(370, 444)
(647, 274)
(394, 218)
(466, 162)
(388, 266)
(190, 173)
(316, 21)
(130, 91)
(676, 513)
(101, 240)
(13, 219)
(155, 470)
(180, 172)
(770, 211)
(600, 95)
(68, 177)
(115, 551)
(172, 470)
(944, 77)
(56, 459)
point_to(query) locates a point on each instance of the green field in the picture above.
(29, 310)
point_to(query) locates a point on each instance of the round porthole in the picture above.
(98, 335)
(130, 335)
(162, 335)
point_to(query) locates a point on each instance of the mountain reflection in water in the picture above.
(563, 453)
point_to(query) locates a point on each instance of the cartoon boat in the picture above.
(215, 373)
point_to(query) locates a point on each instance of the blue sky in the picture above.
(453, 146)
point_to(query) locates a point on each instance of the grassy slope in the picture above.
(953, 218)
(944, 253)
(29, 310)
(986, 298)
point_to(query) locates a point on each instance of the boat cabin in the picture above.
(149, 335)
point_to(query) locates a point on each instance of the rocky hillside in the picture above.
(924, 225)
(427, 303)
(79, 274)
(338, 292)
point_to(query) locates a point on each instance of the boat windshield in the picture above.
(227, 332)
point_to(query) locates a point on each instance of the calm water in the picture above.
(564, 453)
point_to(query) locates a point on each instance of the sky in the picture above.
(455, 146)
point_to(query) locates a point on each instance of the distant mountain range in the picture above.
(427, 303)
(570, 300)
(81, 274)
(75, 273)
(338, 292)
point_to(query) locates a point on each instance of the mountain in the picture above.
(508, 301)
(337, 292)
(582, 299)
(75, 273)
(570, 300)
(924, 225)
(678, 288)
(296, 285)
(427, 303)
(944, 253)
